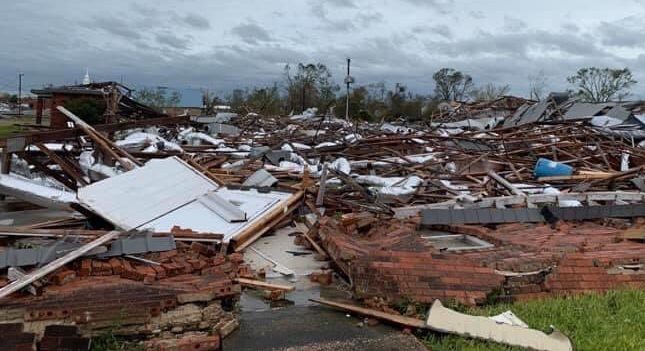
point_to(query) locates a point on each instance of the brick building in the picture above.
(59, 96)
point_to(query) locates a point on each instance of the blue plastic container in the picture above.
(547, 168)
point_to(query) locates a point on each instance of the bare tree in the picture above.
(602, 85)
(489, 92)
(452, 85)
(537, 86)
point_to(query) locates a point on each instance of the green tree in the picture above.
(602, 85)
(88, 109)
(265, 101)
(309, 86)
(158, 98)
(452, 85)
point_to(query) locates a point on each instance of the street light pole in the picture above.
(20, 93)
(348, 80)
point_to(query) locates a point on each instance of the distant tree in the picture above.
(265, 101)
(452, 85)
(157, 98)
(309, 86)
(537, 86)
(89, 110)
(489, 92)
(13, 99)
(602, 85)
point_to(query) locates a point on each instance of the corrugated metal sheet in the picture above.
(137, 197)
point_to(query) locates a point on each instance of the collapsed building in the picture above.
(499, 201)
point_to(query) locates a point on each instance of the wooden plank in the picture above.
(264, 285)
(56, 264)
(401, 320)
(106, 145)
(505, 183)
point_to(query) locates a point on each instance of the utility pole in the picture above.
(348, 80)
(20, 93)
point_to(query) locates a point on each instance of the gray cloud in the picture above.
(161, 43)
(342, 3)
(251, 33)
(172, 40)
(196, 21)
(627, 32)
(441, 6)
(116, 26)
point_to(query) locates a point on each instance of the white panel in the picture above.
(199, 218)
(143, 194)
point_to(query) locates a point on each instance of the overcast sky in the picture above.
(223, 45)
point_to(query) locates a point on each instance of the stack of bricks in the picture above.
(192, 284)
(528, 261)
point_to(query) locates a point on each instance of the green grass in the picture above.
(8, 129)
(611, 321)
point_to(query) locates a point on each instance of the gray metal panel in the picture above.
(532, 114)
(276, 156)
(139, 244)
(261, 178)
(585, 110)
(619, 112)
(221, 128)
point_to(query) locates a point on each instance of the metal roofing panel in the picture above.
(146, 193)
(619, 112)
(585, 110)
(260, 178)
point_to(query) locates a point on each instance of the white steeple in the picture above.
(86, 79)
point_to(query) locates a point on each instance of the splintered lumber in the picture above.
(401, 320)
(56, 264)
(104, 143)
(264, 285)
(251, 233)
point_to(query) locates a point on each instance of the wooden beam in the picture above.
(69, 168)
(401, 320)
(264, 285)
(505, 183)
(56, 264)
(101, 141)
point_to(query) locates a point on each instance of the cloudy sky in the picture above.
(223, 45)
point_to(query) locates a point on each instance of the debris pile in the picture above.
(506, 200)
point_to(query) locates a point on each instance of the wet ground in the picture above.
(298, 324)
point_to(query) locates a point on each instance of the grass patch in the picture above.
(7, 130)
(611, 321)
